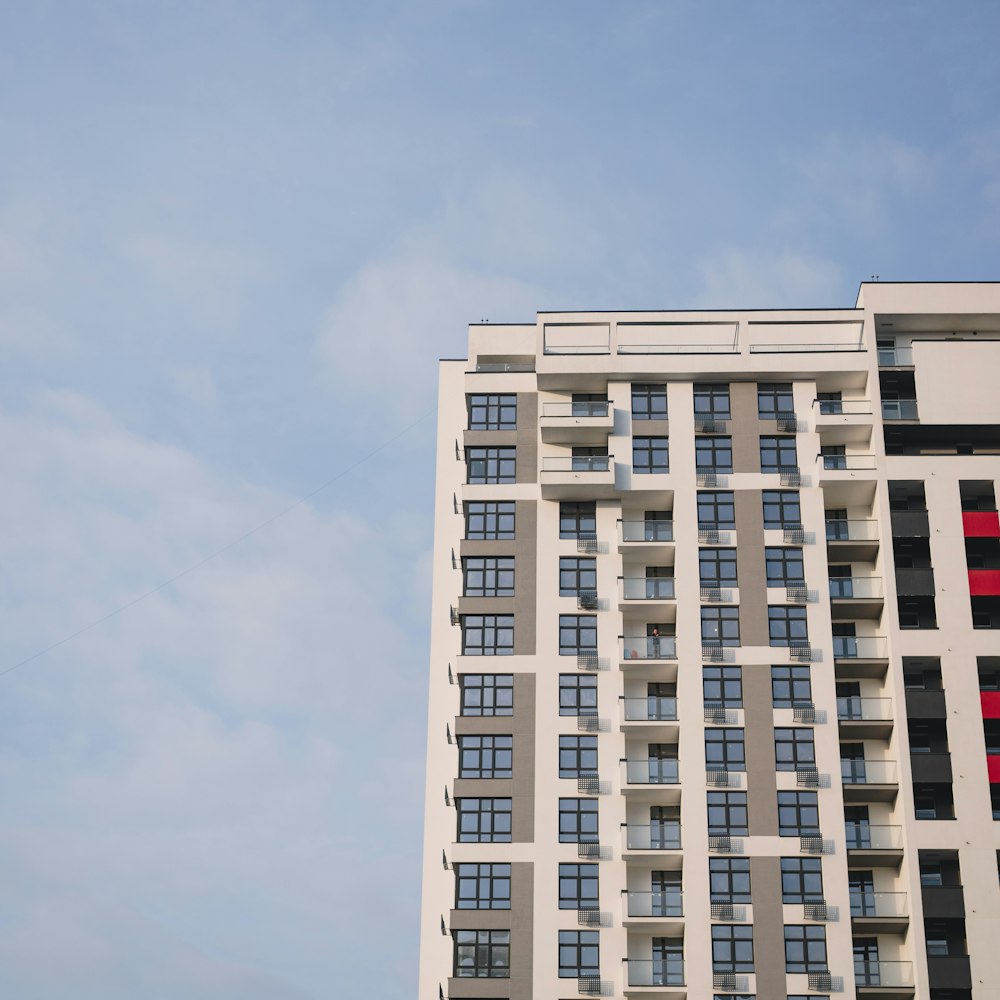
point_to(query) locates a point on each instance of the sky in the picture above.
(234, 239)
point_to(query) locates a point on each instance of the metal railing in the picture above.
(852, 530)
(647, 531)
(647, 647)
(647, 588)
(665, 836)
(660, 903)
(847, 587)
(651, 771)
(655, 971)
(862, 837)
(899, 409)
(505, 366)
(879, 973)
(860, 647)
(868, 772)
(588, 408)
(847, 407)
(868, 903)
(577, 463)
(847, 463)
(854, 708)
(650, 709)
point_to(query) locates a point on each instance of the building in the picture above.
(715, 675)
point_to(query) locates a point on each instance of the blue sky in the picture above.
(234, 239)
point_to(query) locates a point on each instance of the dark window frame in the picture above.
(717, 509)
(805, 948)
(732, 948)
(487, 576)
(491, 411)
(485, 755)
(794, 748)
(777, 452)
(579, 954)
(785, 509)
(796, 811)
(713, 453)
(722, 685)
(771, 396)
(487, 635)
(491, 464)
(577, 634)
(485, 829)
(787, 625)
(577, 573)
(650, 455)
(482, 886)
(711, 399)
(725, 748)
(724, 621)
(489, 951)
(490, 519)
(729, 880)
(577, 694)
(577, 519)
(577, 755)
(718, 567)
(579, 821)
(648, 396)
(578, 886)
(788, 682)
(489, 706)
(727, 814)
(784, 566)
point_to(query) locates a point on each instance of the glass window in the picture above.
(717, 567)
(805, 948)
(774, 399)
(487, 694)
(729, 880)
(778, 452)
(830, 402)
(794, 748)
(716, 509)
(722, 686)
(791, 685)
(482, 954)
(711, 399)
(576, 575)
(782, 509)
(784, 566)
(727, 814)
(713, 453)
(649, 401)
(578, 887)
(724, 750)
(482, 887)
(488, 576)
(577, 756)
(577, 519)
(732, 948)
(720, 625)
(787, 626)
(490, 465)
(577, 694)
(489, 519)
(801, 880)
(579, 954)
(650, 454)
(577, 634)
(578, 821)
(798, 814)
(485, 756)
(487, 635)
(483, 821)
(492, 412)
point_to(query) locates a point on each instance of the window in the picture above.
(578, 887)
(713, 454)
(722, 686)
(589, 404)
(488, 635)
(801, 880)
(777, 452)
(488, 576)
(782, 509)
(489, 519)
(834, 456)
(577, 519)
(485, 756)
(791, 686)
(794, 748)
(650, 454)
(931, 873)
(711, 399)
(720, 625)
(727, 814)
(798, 814)
(487, 694)
(579, 954)
(492, 412)
(729, 880)
(490, 465)
(578, 821)
(576, 575)
(649, 401)
(784, 566)
(577, 694)
(482, 954)
(774, 399)
(716, 509)
(577, 634)
(482, 887)
(936, 938)
(483, 821)
(805, 948)
(786, 626)
(577, 755)
(732, 948)
(717, 567)
(590, 458)
(724, 750)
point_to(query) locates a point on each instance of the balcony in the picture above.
(636, 649)
(933, 768)
(662, 910)
(653, 593)
(865, 718)
(644, 837)
(655, 717)
(845, 469)
(944, 901)
(899, 409)
(895, 357)
(655, 974)
(883, 979)
(578, 477)
(877, 912)
(860, 647)
(857, 596)
(576, 423)
(852, 540)
(645, 537)
(843, 421)
(879, 846)
(642, 774)
(869, 780)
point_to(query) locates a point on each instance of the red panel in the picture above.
(993, 768)
(981, 523)
(991, 704)
(984, 582)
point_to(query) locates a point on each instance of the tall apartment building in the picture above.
(715, 670)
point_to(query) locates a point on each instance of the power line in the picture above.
(219, 551)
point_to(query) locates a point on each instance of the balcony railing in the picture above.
(655, 972)
(588, 408)
(895, 357)
(650, 709)
(660, 903)
(647, 588)
(862, 837)
(844, 588)
(884, 974)
(505, 366)
(899, 409)
(665, 836)
(851, 530)
(860, 647)
(577, 463)
(647, 531)
(847, 463)
(651, 771)
(856, 709)
(849, 407)
(868, 903)
(868, 772)
(648, 647)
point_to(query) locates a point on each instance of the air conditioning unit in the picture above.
(587, 660)
(591, 985)
(801, 652)
(586, 543)
(590, 784)
(807, 777)
(717, 714)
(821, 982)
(713, 651)
(804, 713)
(586, 600)
(723, 911)
(797, 595)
